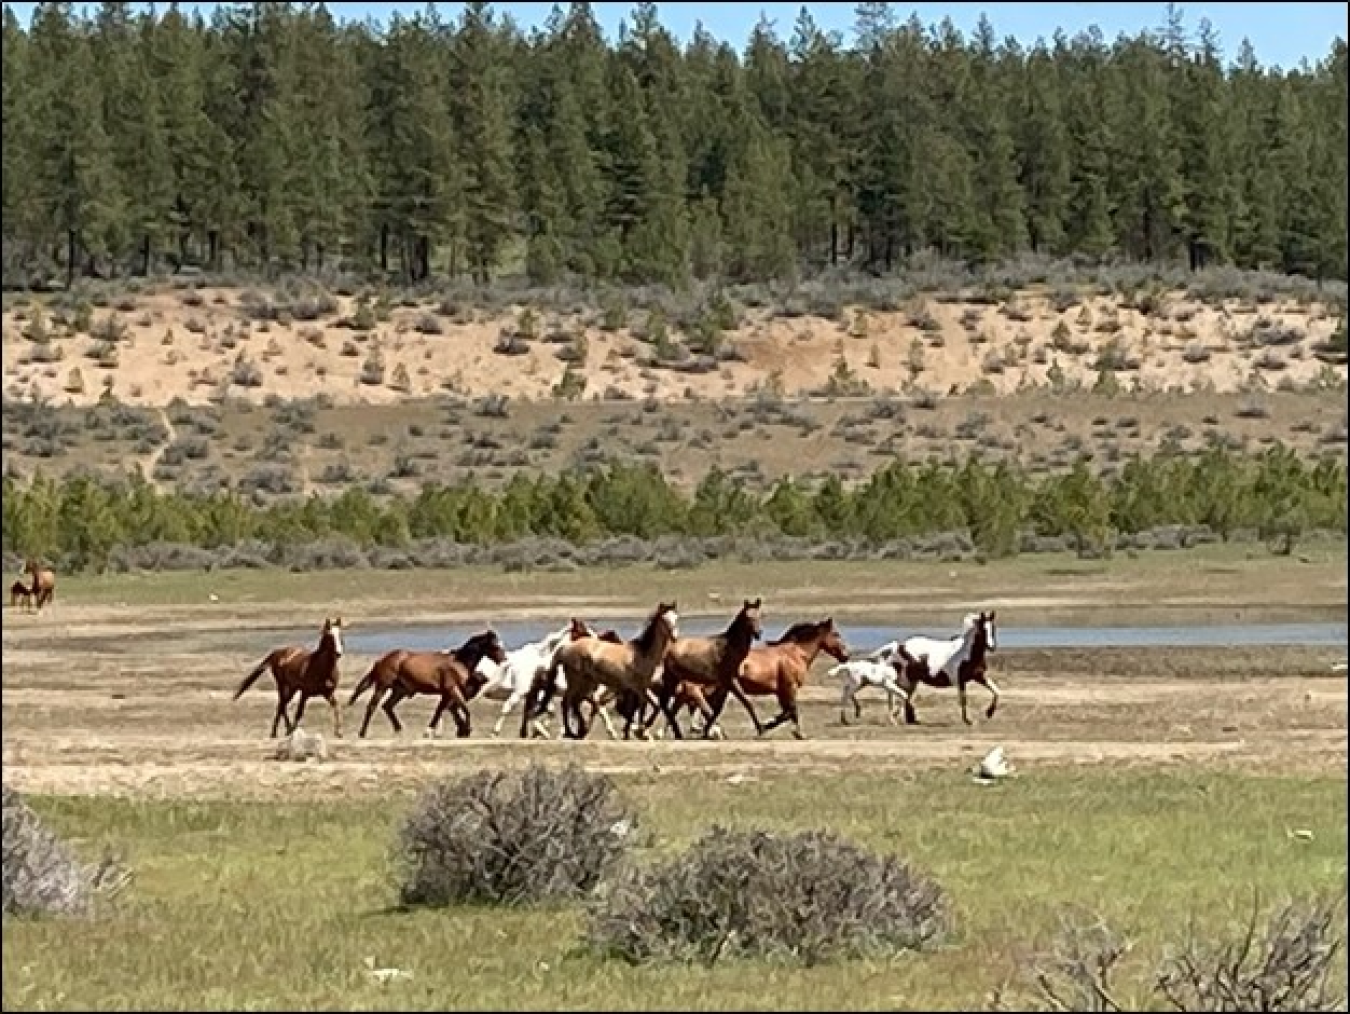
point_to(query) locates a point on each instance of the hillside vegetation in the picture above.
(272, 136)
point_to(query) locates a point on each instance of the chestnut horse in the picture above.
(20, 594)
(452, 676)
(307, 673)
(43, 588)
(590, 663)
(956, 661)
(708, 662)
(780, 669)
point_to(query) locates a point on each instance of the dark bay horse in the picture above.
(452, 676)
(708, 662)
(43, 588)
(780, 669)
(20, 594)
(957, 661)
(309, 673)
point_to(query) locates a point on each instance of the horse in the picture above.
(858, 673)
(957, 661)
(511, 680)
(780, 668)
(708, 661)
(302, 671)
(43, 588)
(453, 676)
(20, 594)
(590, 663)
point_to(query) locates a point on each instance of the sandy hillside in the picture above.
(204, 344)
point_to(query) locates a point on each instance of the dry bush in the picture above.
(807, 896)
(1287, 964)
(512, 838)
(42, 875)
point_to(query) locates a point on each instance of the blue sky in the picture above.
(1282, 33)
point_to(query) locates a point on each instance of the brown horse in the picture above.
(708, 662)
(302, 671)
(452, 676)
(590, 663)
(20, 594)
(43, 588)
(957, 661)
(780, 669)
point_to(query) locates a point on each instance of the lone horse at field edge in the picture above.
(309, 673)
(780, 668)
(43, 587)
(707, 662)
(453, 676)
(957, 661)
(589, 663)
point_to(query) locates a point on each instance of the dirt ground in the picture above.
(91, 707)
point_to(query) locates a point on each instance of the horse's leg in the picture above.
(433, 730)
(848, 694)
(893, 693)
(961, 697)
(331, 698)
(395, 698)
(300, 710)
(514, 698)
(992, 687)
(376, 695)
(283, 702)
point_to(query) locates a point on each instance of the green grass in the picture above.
(277, 906)
(1244, 574)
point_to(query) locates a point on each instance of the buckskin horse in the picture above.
(43, 588)
(309, 673)
(590, 663)
(957, 661)
(707, 662)
(453, 676)
(780, 669)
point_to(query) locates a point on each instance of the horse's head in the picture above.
(667, 613)
(749, 615)
(832, 642)
(332, 632)
(990, 627)
(577, 629)
(611, 635)
(486, 644)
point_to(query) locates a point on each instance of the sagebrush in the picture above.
(512, 838)
(42, 874)
(804, 896)
(1288, 961)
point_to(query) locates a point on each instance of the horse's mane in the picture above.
(799, 632)
(644, 641)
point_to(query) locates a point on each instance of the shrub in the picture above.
(42, 876)
(1286, 965)
(512, 838)
(807, 896)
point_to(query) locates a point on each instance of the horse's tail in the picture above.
(367, 681)
(252, 677)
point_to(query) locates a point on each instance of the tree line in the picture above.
(275, 137)
(81, 520)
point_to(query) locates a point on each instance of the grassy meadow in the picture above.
(253, 906)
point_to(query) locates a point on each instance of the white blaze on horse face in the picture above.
(991, 635)
(673, 618)
(336, 631)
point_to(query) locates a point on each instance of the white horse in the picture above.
(871, 670)
(943, 663)
(511, 680)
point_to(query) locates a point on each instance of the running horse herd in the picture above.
(656, 674)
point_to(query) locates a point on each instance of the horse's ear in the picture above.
(829, 621)
(991, 615)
